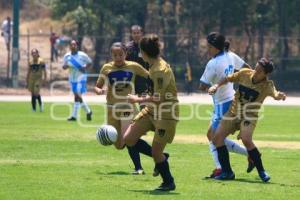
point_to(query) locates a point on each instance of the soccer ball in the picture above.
(106, 135)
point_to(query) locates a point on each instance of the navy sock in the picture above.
(255, 156)
(143, 147)
(33, 102)
(164, 171)
(135, 157)
(223, 157)
(39, 100)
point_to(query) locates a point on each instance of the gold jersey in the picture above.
(249, 96)
(162, 86)
(120, 80)
(36, 69)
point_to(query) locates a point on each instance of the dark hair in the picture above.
(267, 65)
(133, 27)
(118, 45)
(76, 41)
(226, 45)
(36, 50)
(150, 45)
(217, 40)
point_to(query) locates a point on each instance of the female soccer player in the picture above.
(254, 87)
(120, 76)
(36, 70)
(222, 63)
(77, 62)
(161, 111)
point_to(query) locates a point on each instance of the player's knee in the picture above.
(128, 140)
(157, 155)
(247, 142)
(120, 146)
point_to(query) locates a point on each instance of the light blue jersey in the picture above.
(220, 66)
(75, 63)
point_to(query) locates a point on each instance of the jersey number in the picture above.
(229, 70)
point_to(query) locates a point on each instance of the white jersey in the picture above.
(76, 62)
(220, 66)
(6, 26)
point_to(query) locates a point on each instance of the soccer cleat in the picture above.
(225, 176)
(251, 165)
(264, 176)
(89, 116)
(70, 119)
(138, 172)
(166, 187)
(155, 170)
(215, 172)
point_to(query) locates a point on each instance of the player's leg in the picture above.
(76, 105)
(164, 133)
(135, 145)
(82, 90)
(37, 94)
(247, 129)
(33, 97)
(224, 129)
(213, 150)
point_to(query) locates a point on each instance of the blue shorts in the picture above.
(219, 111)
(79, 87)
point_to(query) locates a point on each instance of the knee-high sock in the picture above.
(223, 156)
(39, 98)
(214, 153)
(164, 171)
(255, 156)
(135, 157)
(33, 102)
(76, 107)
(86, 107)
(235, 147)
(143, 147)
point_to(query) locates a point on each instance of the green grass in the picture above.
(41, 158)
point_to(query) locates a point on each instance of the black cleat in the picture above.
(71, 119)
(89, 116)
(225, 176)
(155, 170)
(166, 187)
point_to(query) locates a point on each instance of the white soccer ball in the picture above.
(106, 135)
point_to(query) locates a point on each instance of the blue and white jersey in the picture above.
(219, 67)
(76, 62)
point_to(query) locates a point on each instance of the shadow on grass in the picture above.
(155, 192)
(117, 173)
(257, 181)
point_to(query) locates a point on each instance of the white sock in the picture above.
(214, 153)
(86, 107)
(235, 147)
(76, 107)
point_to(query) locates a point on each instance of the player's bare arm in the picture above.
(212, 90)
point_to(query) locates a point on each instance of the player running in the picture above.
(77, 62)
(120, 76)
(161, 111)
(34, 78)
(254, 87)
(222, 64)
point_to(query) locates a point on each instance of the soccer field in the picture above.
(43, 158)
